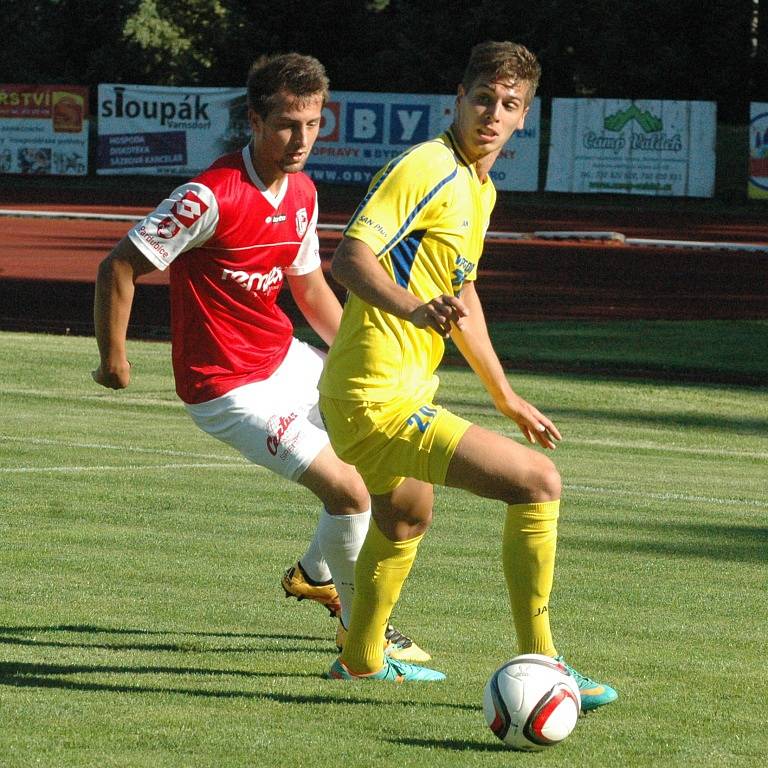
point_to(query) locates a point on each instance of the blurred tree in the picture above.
(759, 90)
(176, 41)
(687, 49)
(61, 41)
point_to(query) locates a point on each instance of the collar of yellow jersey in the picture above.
(451, 136)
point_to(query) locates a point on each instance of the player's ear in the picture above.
(255, 121)
(521, 123)
(460, 94)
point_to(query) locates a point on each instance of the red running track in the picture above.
(47, 268)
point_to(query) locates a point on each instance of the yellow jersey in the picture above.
(425, 216)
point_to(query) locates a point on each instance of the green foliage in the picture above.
(142, 623)
(690, 49)
(178, 37)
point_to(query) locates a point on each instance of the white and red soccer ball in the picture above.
(531, 702)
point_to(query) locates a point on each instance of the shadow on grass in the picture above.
(456, 745)
(55, 676)
(193, 645)
(738, 543)
(30, 675)
(731, 424)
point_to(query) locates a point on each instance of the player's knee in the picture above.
(546, 484)
(347, 494)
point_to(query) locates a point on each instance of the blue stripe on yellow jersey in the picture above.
(403, 256)
(425, 217)
(418, 207)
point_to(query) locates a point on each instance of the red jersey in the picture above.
(229, 242)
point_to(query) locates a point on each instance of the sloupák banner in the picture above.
(154, 130)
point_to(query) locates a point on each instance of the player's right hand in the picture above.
(440, 314)
(118, 377)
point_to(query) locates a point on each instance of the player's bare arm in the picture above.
(356, 267)
(113, 300)
(473, 341)
(317, 302)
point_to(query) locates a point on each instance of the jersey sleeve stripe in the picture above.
(403, 255)
(417, 208)
(373, 189)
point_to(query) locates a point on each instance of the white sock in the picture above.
(312, 561)
(341, 537)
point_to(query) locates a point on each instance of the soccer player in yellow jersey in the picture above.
(409, 261)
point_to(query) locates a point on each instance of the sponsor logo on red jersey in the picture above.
(257, 282)
(189, 209)
(168, 228)
(156, 245)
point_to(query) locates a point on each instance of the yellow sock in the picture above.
(529, 543)
(381, 570)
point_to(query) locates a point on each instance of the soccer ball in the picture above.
(531, 702)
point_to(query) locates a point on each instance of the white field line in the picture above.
(646, 445)
(123, 448)
(96, 397)
(666, 496)
(643, 445)
(620, 492)
(237, 462)
(125, 468)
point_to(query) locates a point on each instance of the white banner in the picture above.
(181, 131)
(362, 131)
(161, 130)
(758, 150)
(644, 147)
(44, 130)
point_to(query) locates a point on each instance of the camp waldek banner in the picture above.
(662, 148)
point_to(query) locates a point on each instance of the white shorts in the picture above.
(276, 422)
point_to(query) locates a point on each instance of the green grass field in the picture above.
(142, 624)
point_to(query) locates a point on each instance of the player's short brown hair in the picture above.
(504, 61)
(302, 76)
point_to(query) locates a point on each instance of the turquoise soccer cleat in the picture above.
(393, 671)
(593, 694)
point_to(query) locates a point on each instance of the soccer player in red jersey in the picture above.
(230, 237)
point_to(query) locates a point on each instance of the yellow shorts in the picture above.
(390, 441)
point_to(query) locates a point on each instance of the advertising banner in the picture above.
(44, 129)
(758, 150)
(649, 147)
(362, 131)
(154, 130)
(180, 131)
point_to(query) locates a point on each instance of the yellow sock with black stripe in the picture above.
(381, 570)
(529, 544)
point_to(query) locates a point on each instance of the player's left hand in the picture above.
(535, 426)
(440, 314)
